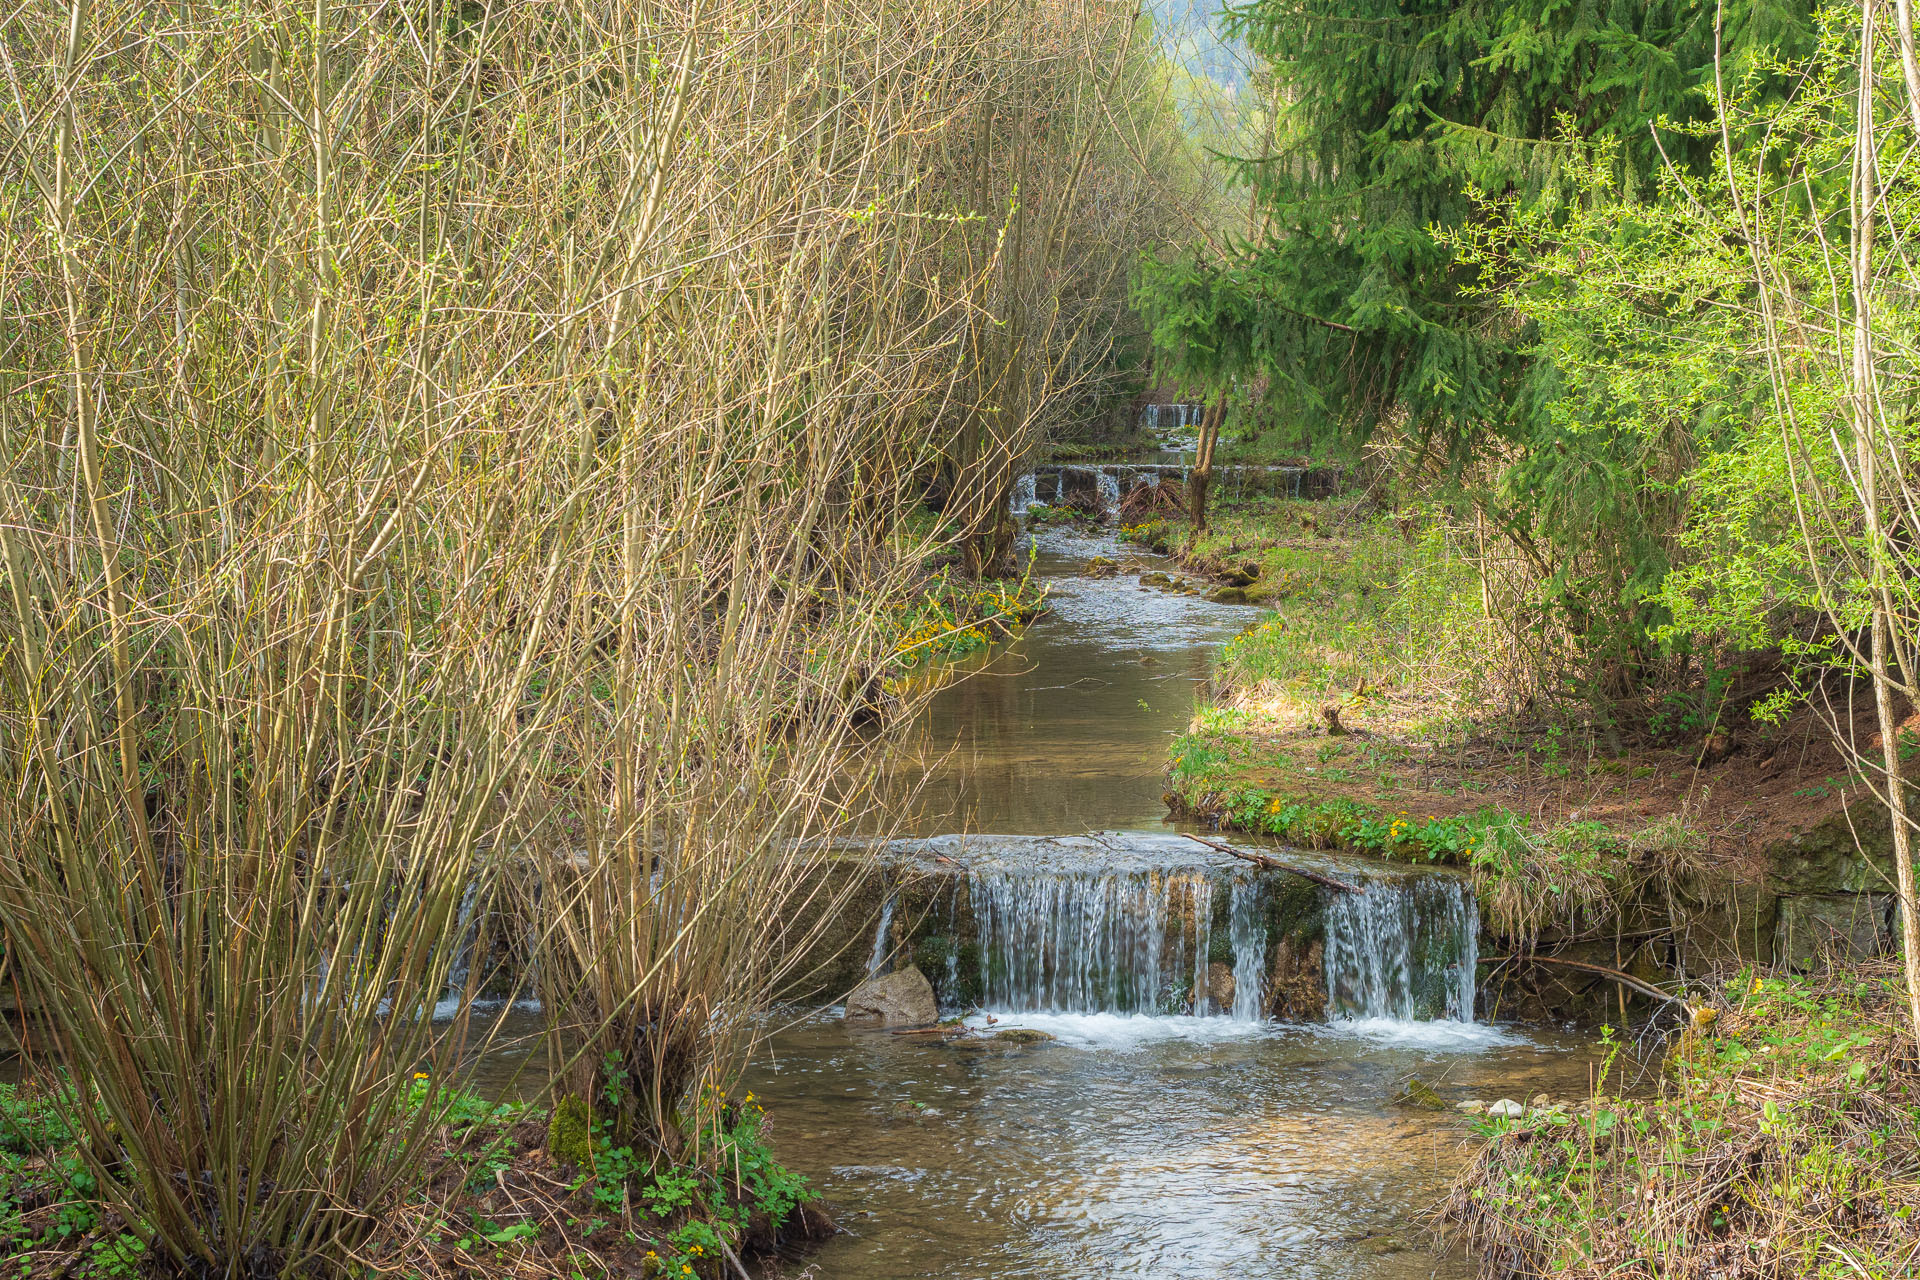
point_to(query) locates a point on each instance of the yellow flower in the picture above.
(420, 1075)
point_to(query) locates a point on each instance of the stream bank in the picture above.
(1361, 714)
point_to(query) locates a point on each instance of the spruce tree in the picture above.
(1401, 124)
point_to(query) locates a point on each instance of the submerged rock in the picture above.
(902, 998)
(1220, 985)
(1419, 1095)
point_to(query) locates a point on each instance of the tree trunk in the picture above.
(1200, 478)
(1867, 425)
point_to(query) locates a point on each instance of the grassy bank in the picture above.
(507, 1189)
(1784, 1142)
(1357, 716)
(1378, 708)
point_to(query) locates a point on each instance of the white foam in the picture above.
(1444, 1034)
(1124, 1031)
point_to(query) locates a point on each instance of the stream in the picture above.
(1132, 1144)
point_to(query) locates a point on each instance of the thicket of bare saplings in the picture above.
(452, 443)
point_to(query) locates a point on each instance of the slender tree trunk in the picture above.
(1867, 429)
(1200, 478)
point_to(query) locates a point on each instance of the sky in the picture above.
(1192, 32)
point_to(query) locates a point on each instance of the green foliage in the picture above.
(119, 1257)
(1384, 290)
(955, 617)
(1784, 1136)
(30, 1121)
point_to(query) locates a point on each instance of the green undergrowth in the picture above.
(1784, 1142)
(955, 617)
(1041, 513)
(1530, 877)
(494, 1197)
(1336, 720)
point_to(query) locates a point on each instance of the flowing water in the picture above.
(1142, 1140)
(1066, 729)
(1141, 1143)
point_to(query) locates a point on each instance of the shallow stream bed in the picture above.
(1128, 1145)
(1139, 1147)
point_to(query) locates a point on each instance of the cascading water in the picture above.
(1247, 934)
(1024, 489)
(1132, 942)
(880, 947)
(1109, 489)
(468, 930)
(1403, 950)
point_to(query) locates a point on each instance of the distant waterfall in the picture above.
(1403, 949)
(1024, 489)
(1121, 943)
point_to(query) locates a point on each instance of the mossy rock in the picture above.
(1022, 1035)
(1420, 1096)
(1228, 595)
(570, 1132)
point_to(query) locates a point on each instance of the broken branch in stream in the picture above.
(1624, 979)
(1274, 864)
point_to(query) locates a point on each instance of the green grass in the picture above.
(1785, 1141)
(613, 1214)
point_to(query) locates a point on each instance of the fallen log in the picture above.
(1274, 864)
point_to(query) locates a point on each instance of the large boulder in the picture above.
(901, 998)
(1815, 927)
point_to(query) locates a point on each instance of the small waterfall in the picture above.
(1403, 949)
(879, 955)
(1202, 943)
(1247, 932)
(468, 930)
(1124, 942)
(1023, 494)
(1109, 490)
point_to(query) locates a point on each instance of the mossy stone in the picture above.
(1421, 1096)
(570, 1132)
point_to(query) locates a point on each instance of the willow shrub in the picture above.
(442, 440)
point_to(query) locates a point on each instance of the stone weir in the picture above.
(1055, 482)
(1141, 922)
